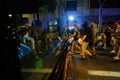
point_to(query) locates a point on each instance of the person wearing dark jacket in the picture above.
(85, 43)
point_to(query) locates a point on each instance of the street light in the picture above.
(71, 18)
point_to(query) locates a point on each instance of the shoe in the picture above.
(40, 52)
(104, 47)
(112, 51)
(91, 57)
(94, 54)
(116, 58)
(71, 53)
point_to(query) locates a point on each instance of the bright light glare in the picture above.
(104, 73)
(70, 27)
(71, 18)
(10, 15)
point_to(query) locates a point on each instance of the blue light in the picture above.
(71, 18)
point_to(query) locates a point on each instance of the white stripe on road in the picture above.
(104, 73)
(44, 70)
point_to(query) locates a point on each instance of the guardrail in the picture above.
(59, 71)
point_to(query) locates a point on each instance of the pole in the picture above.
(100, 16)
(101, 2)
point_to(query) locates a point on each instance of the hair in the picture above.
(116, 23)
(25, 20)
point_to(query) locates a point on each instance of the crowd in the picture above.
(90, 38)
(86, 40)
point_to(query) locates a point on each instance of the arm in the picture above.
(110, 29)
(65, 32)
(74, 32)
(60, 38)
(81, 41)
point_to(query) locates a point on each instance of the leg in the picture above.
(93, 49)
(117, 57)
(87, 52)
(84, 50)
(72, 46)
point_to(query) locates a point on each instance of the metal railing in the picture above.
(59, 71)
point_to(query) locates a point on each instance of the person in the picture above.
(93, 29)
(76, 41)
(71, 41)
(25, 35)
(117, 37)
(75, 37)
(117, 57)
(87, 38)
(37, 34)
(70, 32)
(102, 40)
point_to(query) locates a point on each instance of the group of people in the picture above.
(83, 41)
(110, 37)
(28, 34)
(87, 41)
(115, 40)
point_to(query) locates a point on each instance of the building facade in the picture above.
(81, 11)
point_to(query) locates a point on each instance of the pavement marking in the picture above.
(43, 70)
(104, 73)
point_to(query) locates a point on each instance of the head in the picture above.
(85, 24)
(117, 24)
(75, 25)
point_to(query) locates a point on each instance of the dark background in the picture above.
(25, 6)
(28, 6)
(107, 3)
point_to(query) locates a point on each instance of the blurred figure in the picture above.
(115, 37)
(87, 37)
(93, 28)
(102, 40)
(117, 57)
(25, 34)
(76, 36)
(70, 33)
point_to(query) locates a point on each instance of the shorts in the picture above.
(85, 45)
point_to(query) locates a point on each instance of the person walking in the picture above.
(87, 37)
